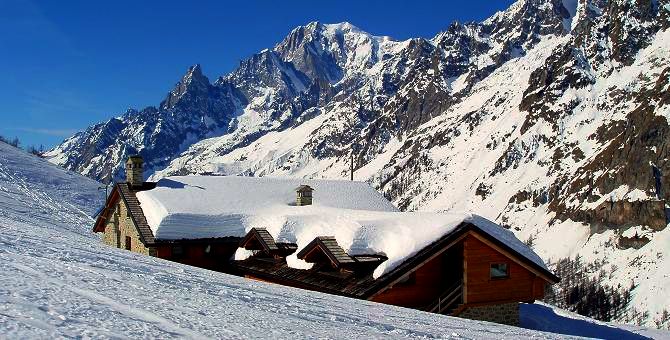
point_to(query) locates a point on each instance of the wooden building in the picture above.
(467, 273)
(475, 270)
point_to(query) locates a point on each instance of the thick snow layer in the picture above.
(57, 280)
(206, 206)
(469, 158)
(362, 221)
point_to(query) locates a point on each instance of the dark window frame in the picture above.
(497, 276)
(129, 243)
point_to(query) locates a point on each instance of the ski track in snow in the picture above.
(57, 280)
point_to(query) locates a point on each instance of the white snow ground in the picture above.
(58, 281)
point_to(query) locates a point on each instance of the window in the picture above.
(128, 243)
(177, 251)
(499, 271)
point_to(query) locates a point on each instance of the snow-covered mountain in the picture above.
(550, 117)
(57, 280)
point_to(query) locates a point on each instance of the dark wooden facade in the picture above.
(214, 254)
(522, 284)
(447, 277)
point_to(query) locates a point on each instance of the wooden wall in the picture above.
(194, 254)
(429, 282)
(521, 285)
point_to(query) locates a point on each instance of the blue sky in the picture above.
(65, 65)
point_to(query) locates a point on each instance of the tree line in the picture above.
(15, 142)
(583, 289)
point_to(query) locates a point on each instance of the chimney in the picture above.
(134, 170)
(304, 195)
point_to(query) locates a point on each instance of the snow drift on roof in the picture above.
(211, 206)
(360, 219)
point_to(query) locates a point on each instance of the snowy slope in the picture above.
(548, 318)
(59, 280)
(36, 192)
(56, 283)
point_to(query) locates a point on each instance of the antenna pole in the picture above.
(351, 164)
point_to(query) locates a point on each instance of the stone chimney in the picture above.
(134, 170)
(304, 195)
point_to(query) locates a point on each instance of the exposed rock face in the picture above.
(637, 157)
(195, 109)
(635, 242)
(621, 214)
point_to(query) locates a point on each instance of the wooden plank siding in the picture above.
(423, 287)
(428, 282)
(195, 254)
(521, 285)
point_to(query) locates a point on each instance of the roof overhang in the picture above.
(103, 216)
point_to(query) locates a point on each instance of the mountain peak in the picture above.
(193, 81)
(194, 73)
(343, 27)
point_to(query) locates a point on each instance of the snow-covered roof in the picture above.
(356, 215)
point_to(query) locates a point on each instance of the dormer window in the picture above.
(324, 252)
(262, 244)
(259, 240)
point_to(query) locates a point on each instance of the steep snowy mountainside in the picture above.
(57, 280)
(34, 191)
(316, 68)
(549, 117)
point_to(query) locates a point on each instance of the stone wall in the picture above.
(119, 226)
(507, 313)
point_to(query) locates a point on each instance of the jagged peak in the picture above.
(194, 73)
(469, 28)
(343, 27)
(193, 81)
(316, 30)
(565, 8)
